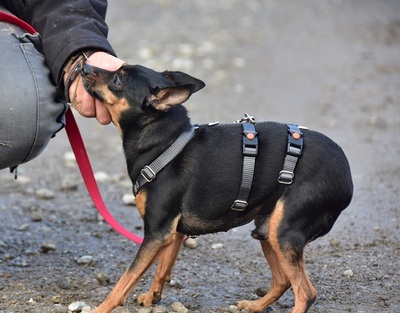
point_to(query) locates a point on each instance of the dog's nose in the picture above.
(86, 70)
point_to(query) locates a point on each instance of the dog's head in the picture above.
(138, 89)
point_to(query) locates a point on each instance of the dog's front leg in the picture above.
(163, 273)
(147, 254)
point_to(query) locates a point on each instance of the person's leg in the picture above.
(30, 115)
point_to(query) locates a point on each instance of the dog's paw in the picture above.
(149, 298)
(251, 306)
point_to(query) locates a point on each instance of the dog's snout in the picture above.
(86, 70)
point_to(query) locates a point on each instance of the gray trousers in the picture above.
(30, 114)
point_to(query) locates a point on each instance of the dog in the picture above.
(194, 192)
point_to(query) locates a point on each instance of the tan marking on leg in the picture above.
(163, 273)
(292, 264)
(141, 200)
(280, 282)
(147, 254)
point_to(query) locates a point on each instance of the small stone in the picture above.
(191, 243)
(145, 310)
(120, 309)
(86, 309)
(233, 309)
(128, 199)
(69, 158)
(24, 227)
(85, 260)
(179, 307)
(45, 193)
(76, 306)
(348, 273)
(102, 278)
(216, 246)
(101, 176)
(334, 242)
(36, 217)
(69, 185)
(56, 299)
(47, 247)
(160, 309)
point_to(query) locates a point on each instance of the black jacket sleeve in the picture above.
(66, 27)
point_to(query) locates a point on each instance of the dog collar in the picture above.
(149, 172)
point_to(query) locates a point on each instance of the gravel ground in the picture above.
(331, 65)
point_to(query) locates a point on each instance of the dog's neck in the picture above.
(149, 136)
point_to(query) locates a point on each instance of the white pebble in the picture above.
(76, 306)
(129, 199)
(191, 243)
(45, 193)
(348, 273)
(69, 158)
(216, 246)
(101, 176)
(86, 259)
(179, 307)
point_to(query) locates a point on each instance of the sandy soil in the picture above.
(331, 65)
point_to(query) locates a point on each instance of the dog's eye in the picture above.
(117, 81)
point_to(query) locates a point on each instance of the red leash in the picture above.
(79, 150)
(82, 159)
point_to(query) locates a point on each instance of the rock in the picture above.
(76, 306)
(69, 184)
(86, 309)
(85, 260)
(348, 273)
(179, 307)
(145, 310)
(128, 199)
(36, 217)
(160, 309)
(191, 243)
(56, 299)
(47, 247)
(23, 227)
(101, 176)
(216, 246)
(102, 278)
(69, 158)
(44, 193)
(120, 309)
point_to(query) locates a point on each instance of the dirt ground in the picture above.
(331, 65)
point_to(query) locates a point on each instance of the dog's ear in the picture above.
(180, 78)
(165, 98)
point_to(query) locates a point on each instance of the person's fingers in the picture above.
(102, 114)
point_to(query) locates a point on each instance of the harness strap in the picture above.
(149, 172)
(250, 151)
(293, 153)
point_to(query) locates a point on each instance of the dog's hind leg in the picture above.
(163, 273)
(280, 282)
(288, 244)
(286, 261)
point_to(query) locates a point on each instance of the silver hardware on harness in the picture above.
(148, 174)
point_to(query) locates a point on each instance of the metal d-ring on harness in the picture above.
(250, 151)
(293, 153)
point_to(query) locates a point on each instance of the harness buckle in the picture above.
(148, 174)
(285, 177)
(239, 205)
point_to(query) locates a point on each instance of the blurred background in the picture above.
(331, 65)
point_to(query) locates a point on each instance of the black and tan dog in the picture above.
(193, 194)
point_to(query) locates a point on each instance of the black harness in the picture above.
(250, 150)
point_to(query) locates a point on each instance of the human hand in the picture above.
(84, 103)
